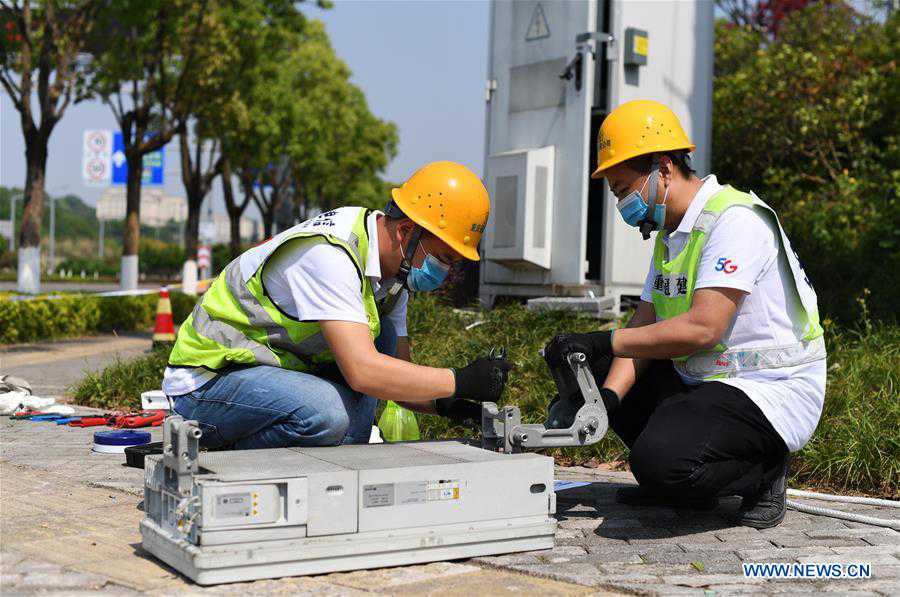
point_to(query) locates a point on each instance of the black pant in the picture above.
(695, 441)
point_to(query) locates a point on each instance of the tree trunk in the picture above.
(234, 210)
(130, 268)
(35, 173)
(234, 225)
(268, 222)
(192, 229)
(132, 234)
(28, 278)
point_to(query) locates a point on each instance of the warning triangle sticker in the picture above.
(538, 28)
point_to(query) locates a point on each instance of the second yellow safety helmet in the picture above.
(448, 200)
(637, 128)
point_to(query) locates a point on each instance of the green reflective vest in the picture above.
(673, 292)
(237, 323)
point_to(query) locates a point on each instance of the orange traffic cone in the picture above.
(165, 327)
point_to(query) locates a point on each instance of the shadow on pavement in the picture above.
(619, 521)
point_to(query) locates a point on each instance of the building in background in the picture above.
(159, 209)
(251, 230)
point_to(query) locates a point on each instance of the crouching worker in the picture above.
(298, 337)
(721, 371)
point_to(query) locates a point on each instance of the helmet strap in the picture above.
(408, 254)
(648, 224)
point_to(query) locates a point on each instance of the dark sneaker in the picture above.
(767, 509)
(639, 496)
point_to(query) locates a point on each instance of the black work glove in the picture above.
(461, 412)
(611, 400)
(482, 380)
(561, 413)
(594, 345)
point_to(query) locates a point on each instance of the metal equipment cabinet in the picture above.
(554, 70)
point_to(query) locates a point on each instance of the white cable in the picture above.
(881, 522)
(846, 499)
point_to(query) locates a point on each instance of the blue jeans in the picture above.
(268, 407)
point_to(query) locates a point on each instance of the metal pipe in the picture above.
(846, 499)
(853, 517)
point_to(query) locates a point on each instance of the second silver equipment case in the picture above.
(242, 515)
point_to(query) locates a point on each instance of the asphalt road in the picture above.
(80, 286)
(51, 367)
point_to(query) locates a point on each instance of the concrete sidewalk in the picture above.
(70, 523)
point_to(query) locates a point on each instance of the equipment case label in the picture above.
(411, 492)
(233, 504)
(381, 494)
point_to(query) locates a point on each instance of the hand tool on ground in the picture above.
(134, 420)
(27, 414)
(92, 421)
(48, 417)
(130, 420)
(67, 420)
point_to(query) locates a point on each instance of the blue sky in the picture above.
(422, 65)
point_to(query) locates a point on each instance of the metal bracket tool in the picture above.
(181, 447)
(502, 428)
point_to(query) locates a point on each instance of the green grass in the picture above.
(857, 443)
(856, 447)
(120, 385)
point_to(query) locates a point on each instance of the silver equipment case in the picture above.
(242, 515)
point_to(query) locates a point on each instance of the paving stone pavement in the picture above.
(69, 524)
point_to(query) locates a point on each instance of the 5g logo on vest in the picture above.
(725, 265)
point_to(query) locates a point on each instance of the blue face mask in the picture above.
(634, 209)
(428, 277)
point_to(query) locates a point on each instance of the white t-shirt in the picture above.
(312, 283)
(742, 252)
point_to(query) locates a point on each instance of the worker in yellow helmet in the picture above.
(298, 337)
(720, 373)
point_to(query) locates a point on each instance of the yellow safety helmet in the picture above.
(637, 128)
(448, 200)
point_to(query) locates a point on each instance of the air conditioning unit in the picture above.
(521, 187)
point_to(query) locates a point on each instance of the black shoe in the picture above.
(766, 510)
(639, 496)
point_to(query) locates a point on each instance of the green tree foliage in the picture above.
(341, 145)
(809, 120)
(40, 44)
(156, 59)
(74, 218)
(307, 134)
(260, 30)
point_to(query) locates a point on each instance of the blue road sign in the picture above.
(154, 164)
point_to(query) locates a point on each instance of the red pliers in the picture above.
(92, 421)
(144, 418)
